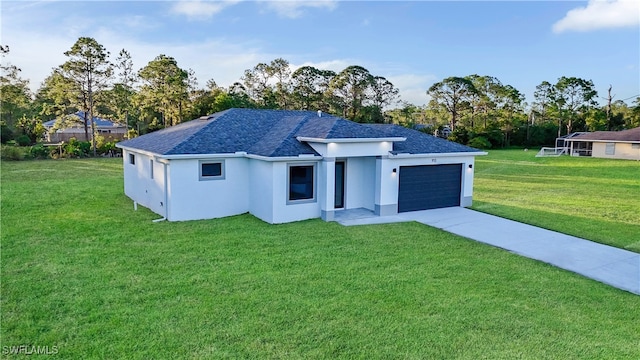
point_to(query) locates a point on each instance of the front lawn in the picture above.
(595, 199)
(84, 273)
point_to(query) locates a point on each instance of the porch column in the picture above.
(386, 192)
(327, 188)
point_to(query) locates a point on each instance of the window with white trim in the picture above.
(132, 159)
(212, 170)
(610, 149)
(301, 183)
(151, 168)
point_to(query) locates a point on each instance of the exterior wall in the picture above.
(347, 149)
(110, 134)
(286, 212)
(387, 198)
(261, 189)
(360, 183)
(327, 188)
(191, 198)
(622, 151)
(138, 184)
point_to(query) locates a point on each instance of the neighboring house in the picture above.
(284, 166)
(623, 144)
(74, 128)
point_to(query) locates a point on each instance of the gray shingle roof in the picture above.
(80, 115)
(630, 135)
(418, 142)
(274, 133)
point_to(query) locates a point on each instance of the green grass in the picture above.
(596, 199)
(80, 270)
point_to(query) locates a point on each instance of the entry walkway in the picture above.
(613, 266)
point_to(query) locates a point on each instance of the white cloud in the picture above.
(200, 10)
(295, 9)
(413, 87)
(600, 14)
(333, 65)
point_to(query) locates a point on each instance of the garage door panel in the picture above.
(429, 187)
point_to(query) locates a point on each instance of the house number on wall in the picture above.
(433, 160)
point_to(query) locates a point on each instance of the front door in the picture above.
(339, 198)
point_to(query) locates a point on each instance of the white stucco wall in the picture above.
(360, 182)
(349, 149)
(284, 211)
(191, 198)
(622, 151)
(138, 184)
(390, 180)
(261, 189)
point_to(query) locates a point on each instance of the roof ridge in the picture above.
(210, 121)
(293, 131)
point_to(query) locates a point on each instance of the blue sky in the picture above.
(411, 43)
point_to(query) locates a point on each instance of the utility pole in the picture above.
(609, 98)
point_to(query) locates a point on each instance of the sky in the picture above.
(411, 43)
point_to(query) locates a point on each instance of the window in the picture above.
(610, 149)
(211, 170)
(151, 168)
(301, 183)
(132, 159)
(635, 146)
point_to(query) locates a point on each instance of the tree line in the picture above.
(478, 110)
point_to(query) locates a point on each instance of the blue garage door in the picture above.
(429, 187)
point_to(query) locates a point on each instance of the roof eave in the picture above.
(603, 140)
(348, 140)
(452, 154)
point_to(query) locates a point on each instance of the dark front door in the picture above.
(429, 187)
(339, 198)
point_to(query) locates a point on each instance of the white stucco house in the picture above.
(284, 166)
(624, 144)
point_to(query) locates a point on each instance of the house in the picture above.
(74, 128)
(623, 144)
(284, 166)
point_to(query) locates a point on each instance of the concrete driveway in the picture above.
(613, 266)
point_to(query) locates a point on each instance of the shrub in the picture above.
(5, 134)
(480, 142)
(39, 151)
(75, 148)
(8, 152)
(23, 140)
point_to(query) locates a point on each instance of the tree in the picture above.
(573, 96)
(165, 89)
(308, 86)
(454, 94)
(544, 100)
(256, 85)
(89, 69)
(279, 69)
(349, 91)
(123, 90)
(14, 92)
(57, 96)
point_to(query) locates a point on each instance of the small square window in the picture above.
(211, 170)
(132, 159)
